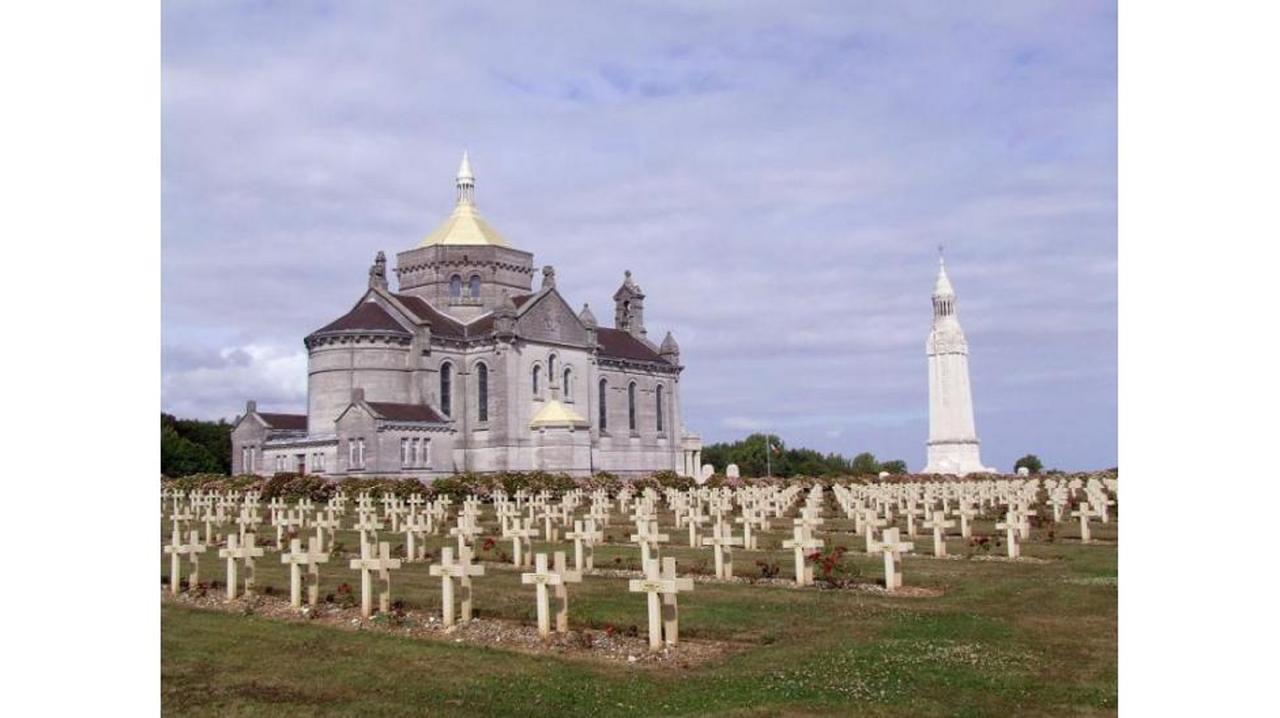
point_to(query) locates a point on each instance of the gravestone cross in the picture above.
(176, 550)
(541, 578)
(722, 541)
(366, 565)
(939, 523)
(892, 549)
(1010, 528)
(236, 551)
(562, 590)
(670, 606)
(1084, 514)
(448, 570)
(296, 558)
(801, 542)
(466, 570)
(648, 537)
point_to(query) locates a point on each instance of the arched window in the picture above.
(631, 406)
(446, 389)
(568, 384)
(473, 290)
(455, 287)
(482, 392)
(604, 412)
(537, 380)
(659, 408)
(551, 367)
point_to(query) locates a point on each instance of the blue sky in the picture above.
(777, 181)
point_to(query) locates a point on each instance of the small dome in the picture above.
(555, 415)
(669, 345)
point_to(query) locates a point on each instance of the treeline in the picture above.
(191, 446)
(749, 454)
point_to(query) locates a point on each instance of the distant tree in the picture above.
(180, 456)
(897, 466)
(192, 442)
(1031, 461)
(865, 464)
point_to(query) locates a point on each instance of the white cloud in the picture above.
(778, 181)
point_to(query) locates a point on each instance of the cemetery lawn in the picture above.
(1024, 638)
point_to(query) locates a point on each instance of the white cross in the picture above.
(722, 541)
(236, 551)
(584, 560)
(939, 523)
(448, 570)
(655, 583)
(799, 543)
(541, 578)
(562, 591)
(892, 549)
(1010, 527)
(366, 565)
(1084, 513)
(648, 537)
(368, 523)
(176, 550)
(522, 542)
(296, 558)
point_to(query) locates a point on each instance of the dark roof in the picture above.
(520, 299)
(441, 323)
(366, 316)
(405, 412)
(621, 345)
(285, 422)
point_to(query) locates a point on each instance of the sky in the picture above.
(778, 182)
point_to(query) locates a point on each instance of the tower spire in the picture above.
(466, 181)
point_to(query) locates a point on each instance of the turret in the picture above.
(628, 308)
(670, 350)
(589, 321)
(378, 272)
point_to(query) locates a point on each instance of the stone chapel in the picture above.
(466, 367)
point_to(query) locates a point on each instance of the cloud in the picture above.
(777, 181)
(216, 384)
(744, 423)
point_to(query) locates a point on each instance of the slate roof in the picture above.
(405, 412)
(285, 422)
(621, 345)
(367, 316)
(441, 324)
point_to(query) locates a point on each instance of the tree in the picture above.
(865, 464)
(180, 456)
(190, 446)
(897, 466)
(1031, 461)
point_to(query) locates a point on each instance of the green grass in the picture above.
(1002, 639)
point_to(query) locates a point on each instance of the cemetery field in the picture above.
(968, 635)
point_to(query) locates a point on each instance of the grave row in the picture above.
(708, 515)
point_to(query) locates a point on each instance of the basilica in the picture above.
(465, 367)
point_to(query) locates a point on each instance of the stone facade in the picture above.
(467, 368)
(953, 440)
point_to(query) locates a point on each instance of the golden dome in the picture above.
(557, 415)
(465, 226)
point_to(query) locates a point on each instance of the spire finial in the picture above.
(466, 181)
(940, 262)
